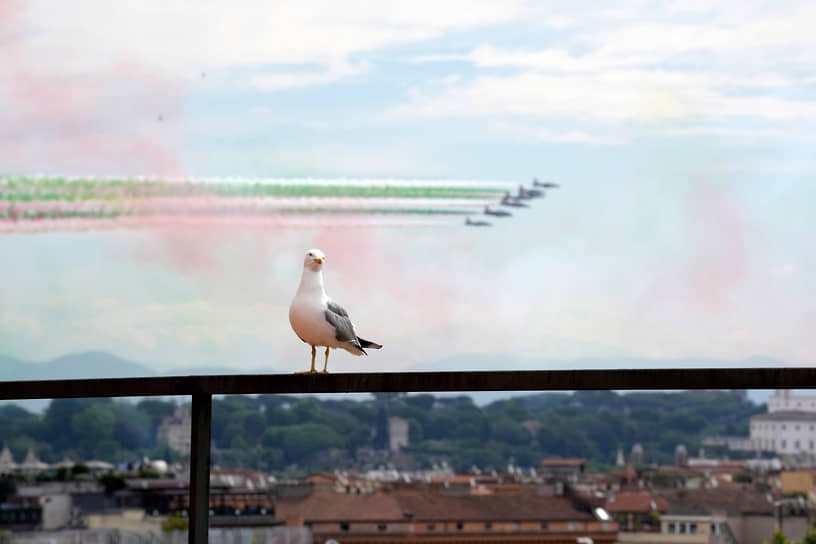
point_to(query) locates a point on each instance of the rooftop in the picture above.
(567, 462)
(787, 415)
(636, 501)
(424, 505)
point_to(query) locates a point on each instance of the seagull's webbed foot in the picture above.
(312, 371)
(326, 363)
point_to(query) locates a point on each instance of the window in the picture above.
(796, 444)
(693, 528)
(459, 525)
(344, 526)
(431, 526)
(543, 524)
(516, 526)
(783, 426)
(783, 444)
(382, 527)
(488, 525)
(683, 528)
(796, 428)
(571, 526)
(671, 528)
(811, 444)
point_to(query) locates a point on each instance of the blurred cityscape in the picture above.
(706, 466)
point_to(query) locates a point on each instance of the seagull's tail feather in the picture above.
(368, 343)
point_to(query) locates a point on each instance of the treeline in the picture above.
(279, 432)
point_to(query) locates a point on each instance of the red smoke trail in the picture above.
(103, 121)
(716, 259)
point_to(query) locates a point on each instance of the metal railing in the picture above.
(202, 388)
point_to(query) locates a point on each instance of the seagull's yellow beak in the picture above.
(318, 260)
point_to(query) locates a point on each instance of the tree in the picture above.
(175, 523)
(307, 410)
(510, 431)
(254, 424)
(810, 536)
(156, 410)
(58, 420)
(132, 427)
(424, 402)
(92, 425)
(778, 538)
(302, 441)
(381, 431)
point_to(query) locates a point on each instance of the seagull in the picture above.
(317, 319)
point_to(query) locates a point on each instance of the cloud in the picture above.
(276, 81)
(736, 63)
(170, 35)
(527, 131)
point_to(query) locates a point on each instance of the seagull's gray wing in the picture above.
(338, 318)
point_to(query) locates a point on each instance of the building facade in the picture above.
(785, 432)
(397, 433)
(175, 431)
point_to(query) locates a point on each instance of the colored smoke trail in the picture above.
(41, 204)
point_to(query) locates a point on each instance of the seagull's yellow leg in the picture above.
(326, 364)
(312, 371)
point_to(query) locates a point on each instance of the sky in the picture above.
(681, 134)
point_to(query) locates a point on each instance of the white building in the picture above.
(784, 401)
(397, 433)
(7, 464)
(791, 432)
(175, 430)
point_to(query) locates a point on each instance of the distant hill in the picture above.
(95, 364)
(91, 364)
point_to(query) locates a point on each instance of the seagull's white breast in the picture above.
(308, 320)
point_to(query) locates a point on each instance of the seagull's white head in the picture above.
(314, 260)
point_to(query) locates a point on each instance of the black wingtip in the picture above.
(368, 343)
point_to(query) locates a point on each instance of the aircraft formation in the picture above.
(42, 204)
(519, 200)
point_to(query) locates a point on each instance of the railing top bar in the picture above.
(522, 380)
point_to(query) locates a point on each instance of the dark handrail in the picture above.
(521, 380)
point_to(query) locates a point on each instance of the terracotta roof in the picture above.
(520, 506)
(322, 477)
(329, 506)
(733, 500)
(681, 469)
(636, 501)
(555, 462)
(455, 479)
(423, 505)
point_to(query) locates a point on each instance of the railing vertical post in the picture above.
(200, 468)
